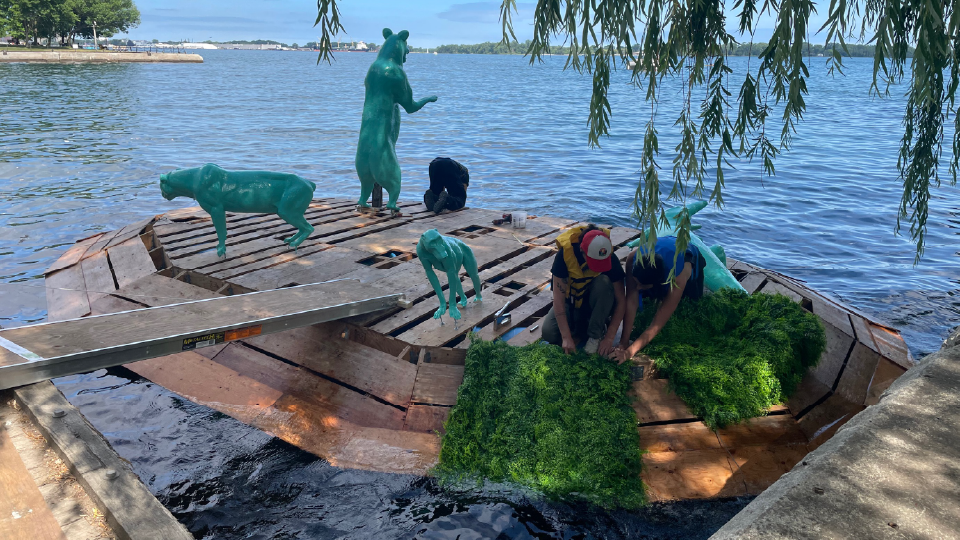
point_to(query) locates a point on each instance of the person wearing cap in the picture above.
(587, 292)
(448, 185)
(652, 281)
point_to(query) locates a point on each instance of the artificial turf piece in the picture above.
(731, 356)
(560, 424)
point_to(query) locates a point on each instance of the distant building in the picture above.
(6, 39)
(250, 46)
(204, 46)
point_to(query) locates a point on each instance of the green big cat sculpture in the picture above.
(448, 255)
(387, 89)
(218, 191)
(715, 275)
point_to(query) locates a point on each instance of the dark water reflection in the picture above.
(82, 146)
(224, 479)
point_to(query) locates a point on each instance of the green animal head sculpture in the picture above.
(448, 255)
(715, 275)
(218, 191)
(387, 89)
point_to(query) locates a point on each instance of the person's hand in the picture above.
(606, 347)
(621, 355)
(569, 346)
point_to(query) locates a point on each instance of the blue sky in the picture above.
(430, 22)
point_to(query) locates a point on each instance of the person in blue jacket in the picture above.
(651, 281)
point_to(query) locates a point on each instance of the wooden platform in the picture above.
(372, 392)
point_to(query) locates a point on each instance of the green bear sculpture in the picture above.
(218, 191)
(387, 89)
(448, 255)
(715, 275)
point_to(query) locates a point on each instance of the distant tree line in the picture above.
(65, 20)
(490, 47)
(743, 49)
(852, 50)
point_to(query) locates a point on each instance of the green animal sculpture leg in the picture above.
(470, 265)
(291, 209)
(366, 182)
(219, 217)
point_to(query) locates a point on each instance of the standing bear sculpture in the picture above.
(387, 89)
(218, 191)
(448, 255)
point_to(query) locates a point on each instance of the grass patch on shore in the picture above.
(731, 356)
(560, 424)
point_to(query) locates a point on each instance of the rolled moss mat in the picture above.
(731, 356)
(563, 424)
(559, 424)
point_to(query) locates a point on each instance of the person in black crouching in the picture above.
(448, 185)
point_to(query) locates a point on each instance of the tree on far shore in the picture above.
(33, 20)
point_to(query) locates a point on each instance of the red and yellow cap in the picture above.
(597, 250)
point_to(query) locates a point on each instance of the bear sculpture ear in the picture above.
(387, 33)
(403, 35)
(163, 177)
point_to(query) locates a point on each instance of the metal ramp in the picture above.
(31, 354)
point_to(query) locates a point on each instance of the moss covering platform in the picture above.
(373, 392)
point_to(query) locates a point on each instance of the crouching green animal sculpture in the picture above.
(715, 274)
(218, 191)
(448, 255)
(386, 88)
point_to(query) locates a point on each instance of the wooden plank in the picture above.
(156, 290)
(24, 515)
(518, 313)
(131, 231)
(531, 335)
(66, 294)
(775, 288)
(130, 261)
(819, 381)
(437, 384)
(302, 270)
(752, 282)
(761, 466)
(97, 333)
(431, 333)
(372, 371)
(129, 507)
(856, 377)
(97, 276)
(205, 232)
(73, 255)
(264, 263)
(891, 345)
(863, 333)
(677, 437)
(886, 373)
(692, 474)
(835, 410)
(655, 403)
(426, 418)
(765, 431)
(832, 314)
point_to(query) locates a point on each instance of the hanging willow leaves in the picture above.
(687, 40)
(681, 38)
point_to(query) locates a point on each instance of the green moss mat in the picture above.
(731, 356)
(560, 424)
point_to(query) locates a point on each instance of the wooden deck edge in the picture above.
(131, 510)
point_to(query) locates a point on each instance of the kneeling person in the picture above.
(587, 292)
(448, 185)
(645, 280)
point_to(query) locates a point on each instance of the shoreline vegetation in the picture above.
(743, 49)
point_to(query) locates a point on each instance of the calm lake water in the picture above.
(82, 147)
